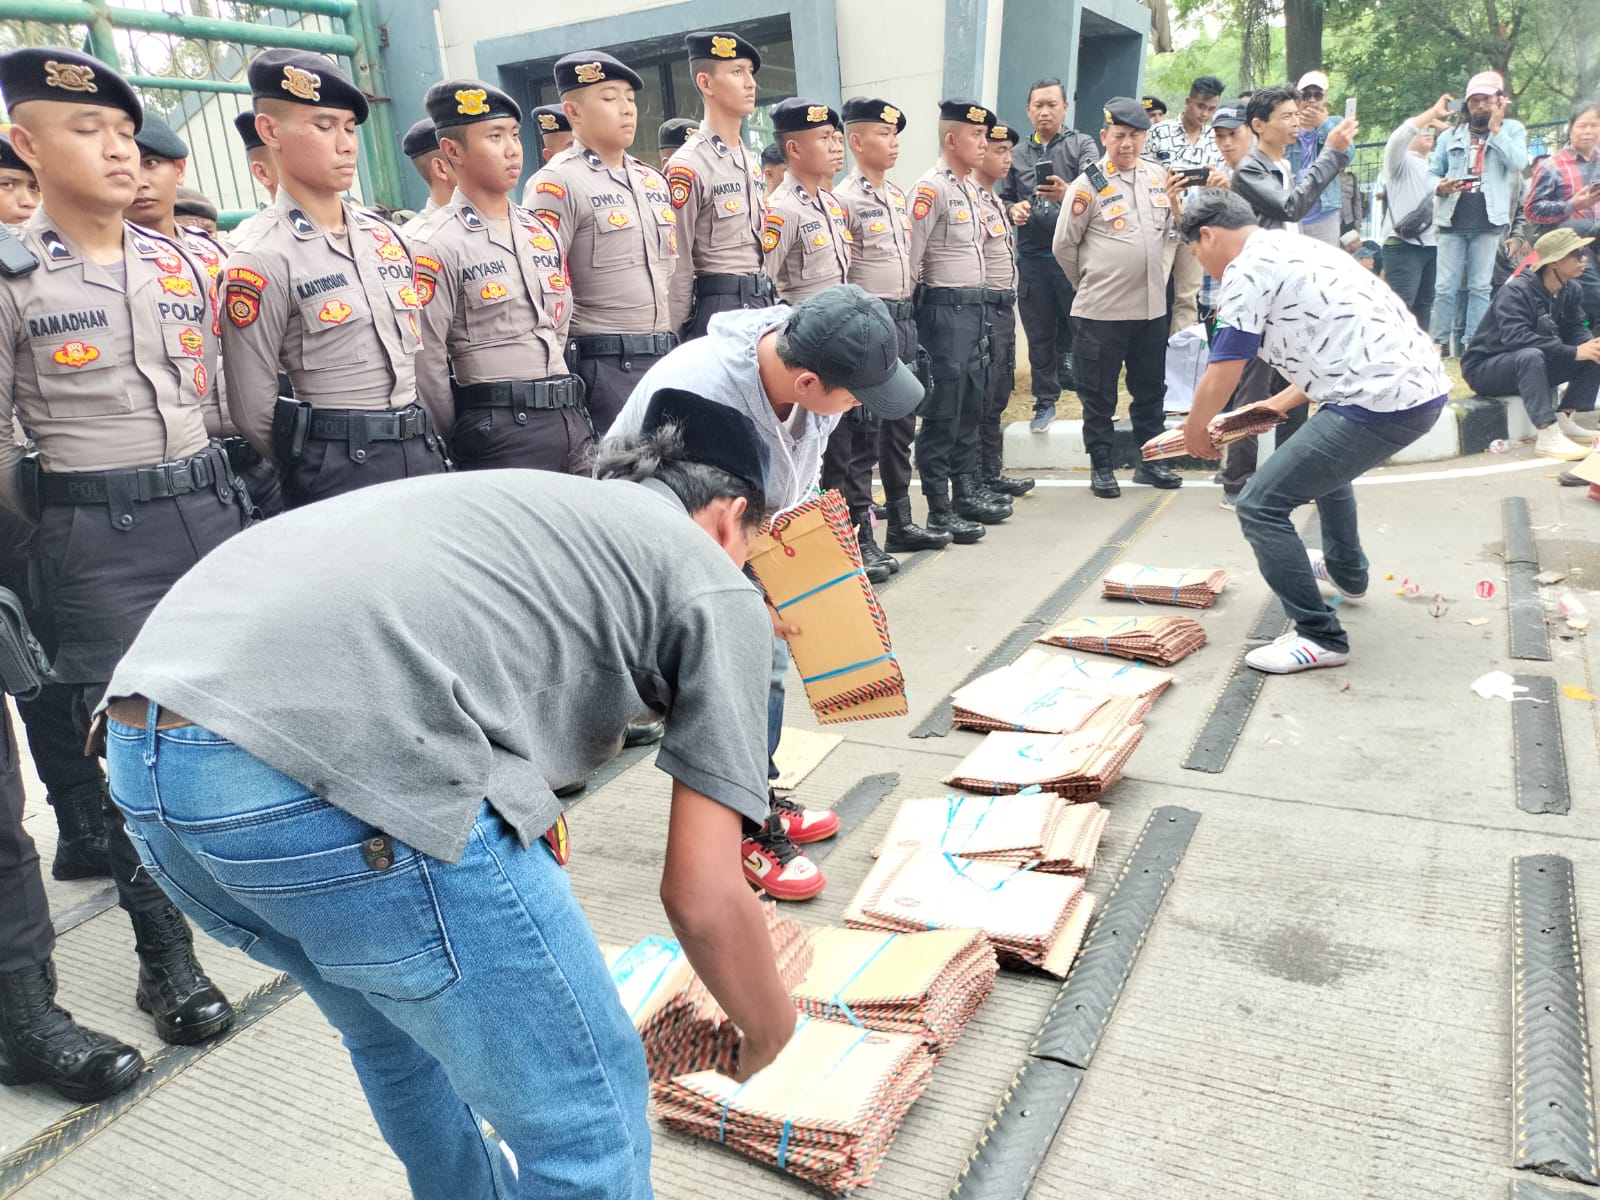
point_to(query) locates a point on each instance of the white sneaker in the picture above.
(1292, 653)
(1569, 427)
(1319, 568)
(1552, 443)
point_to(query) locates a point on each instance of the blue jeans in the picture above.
(462, 991)
(1463, 258)
(1318, 464)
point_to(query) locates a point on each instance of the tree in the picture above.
(1302, 36)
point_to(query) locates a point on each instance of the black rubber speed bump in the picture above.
(1541, 757)
(1220, 732)
(1012, 1146)
(1553, 1116)
(1530, 641)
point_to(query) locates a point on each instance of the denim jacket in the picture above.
(1503, 160)
(1331, 199)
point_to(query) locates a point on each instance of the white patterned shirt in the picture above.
(1169, 145)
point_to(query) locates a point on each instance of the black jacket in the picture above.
(1256, 179)
(1524, 316)
(1069, 153)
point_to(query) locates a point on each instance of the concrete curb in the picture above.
(1466, 427)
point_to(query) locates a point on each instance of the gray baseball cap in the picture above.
(847, 334)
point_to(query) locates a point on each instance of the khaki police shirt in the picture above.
(428, 209)
(104, 374)
(338, 315)
(999, 244)
(879, 221)
(946, 230)
(621, 235)
(210, 254)
(1115, 243)
(496, 300)
(716, 190)
(806, 240)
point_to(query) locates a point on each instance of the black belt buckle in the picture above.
(180, 478)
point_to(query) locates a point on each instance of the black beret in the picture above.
(713, 434)
(1003, 133)
(589, 67)
(157, 138)
(55, 73)
(797, 113)
(715, 44)
(870, 108)
(304, 78)
(421, 138)
(552, 119)
(245, 123)
(10, 160)
(1120, 110)
(674, 133)
(468, 102)
(1153, 104)
(968, 111)
(192, 202)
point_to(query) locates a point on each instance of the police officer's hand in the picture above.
(782, 628)
(1197, 438)
(1055, 189)
(1020, 212)
(1342, 135)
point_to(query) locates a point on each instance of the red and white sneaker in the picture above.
(776, 867)
(805, 825)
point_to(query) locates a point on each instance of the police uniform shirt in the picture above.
(410, 227)
(621, 235)
(716, 190)
(338, 315)
(879, 221)
(946, 230)
(210, 254)
(105, 367)
(806, 241)
(496, 301)
(1115, 243)
(999, 260)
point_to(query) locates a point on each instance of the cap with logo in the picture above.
(721, 44)
(1314, 79)
(453, 102)
(968, 112)
(301, 77)
(713, 434)
(1556, 245)
(551, 118)
(1485, 83)
(798, 113)
(192, 202)
(422, 138)
(674, 133)
(867, 109)
(1121, 110)
(845, 333)
(1229, 115)
(245, 124)
(10, 160)
(1154, 104)
(1003, 133)
(156, 140)
(56, 73)
(589, 67)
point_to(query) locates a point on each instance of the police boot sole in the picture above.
(916, 542)
(1106, 491)
(1156, 481)
(984, 516)
(878, 572)
(966, 537)
(12, 1075)
(186, 1035)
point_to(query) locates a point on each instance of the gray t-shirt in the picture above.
(410, 650)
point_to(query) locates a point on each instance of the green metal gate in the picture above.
(190, 68)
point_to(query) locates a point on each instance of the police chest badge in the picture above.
(202, 381)
(76, 355)
(242, 296)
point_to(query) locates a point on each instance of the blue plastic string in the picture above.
(837, 1003)
(856, 666)
(821, 587)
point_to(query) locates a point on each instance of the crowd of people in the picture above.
(338, 717)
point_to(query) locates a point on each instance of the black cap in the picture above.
(967, 111)
(421, 138)
(304, 78)
(870, 108)
(797, 113)
(589, 67)
(551, 119)
(156, 138)
(192, 202)
(9, 158)
(468, 102)
(1154, 104)
(718, 44)
(245, 123)
(1003, 133)
(674, 133)
(845, 333)
(1120, 110)
(713, 434)
(1229, 115)
(55, 73)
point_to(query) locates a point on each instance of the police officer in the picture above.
(19, 190)
(555, 134)
(716, 189)
(1116, 246)
(620, 230)
(671, 137)
(879, 220)
(106, 357)
(262, 169)
(1000, 308)
(324, 288)
(497, 298)
(421, 146)
(947, 254)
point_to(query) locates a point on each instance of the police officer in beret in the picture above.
(671, 136)
(1116, 244)
(1000, 307)
(497, 298)
(716, 188)
(773, 167)
(421, 146)
(107, 357)
(555, 130)
(262, 169)
(620, 231)
(19, 190)
(197, 211)
(324, 289)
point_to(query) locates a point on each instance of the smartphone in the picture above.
(1043, 174)
(1194, 176)
(1454, 106)
(1350, 109)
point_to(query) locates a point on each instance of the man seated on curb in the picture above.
(1533, 338)
(1378, 387)
(360, 795)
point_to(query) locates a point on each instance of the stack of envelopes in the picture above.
(1184, 587)
(1159, 640)
(1079, 766)
(1025, 704)
(1250, 421)
(1029, 828)
(928, 984)
(1039, 669)
(825, 1110)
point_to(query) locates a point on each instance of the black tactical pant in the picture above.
(895, 437)
(26, 935)
(953, 336)
(1101, 349)
(1045, 299)
(847, 461)
(329, 466)
(708, 304)
(1002, 318)
(545, 439)
(608, 381)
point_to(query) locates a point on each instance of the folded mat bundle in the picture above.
(1079, 766)
(1031, 827)
(1186, 588)
(1030, 917)
(825, 1110)
(1159, 640)
(1250, 421)
(928, 984)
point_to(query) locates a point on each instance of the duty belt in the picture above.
(143, 484)
(614, 345)
(563, 391)
(952, 295)
(748, 287)
(393, 425)
(900, 310)
(999, 296)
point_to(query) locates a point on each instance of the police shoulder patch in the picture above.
(550, 189)
(679, 180)
(769, 239)
(1080, 203)
(552, 219)
(923, 204)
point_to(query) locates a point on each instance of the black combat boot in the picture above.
(81, 819)
(186, 1006)
(1001, 484)
(643, 733)
(1102, 479)
(906, 535)
(975, 504)
(1157, 475)
(878, 565)
(944, 519)
(978, 490)
(41, 1043)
